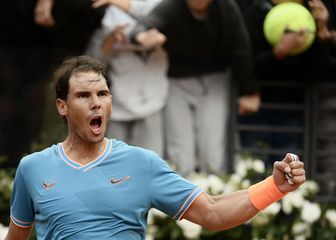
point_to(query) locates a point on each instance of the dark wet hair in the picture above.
(73, 65)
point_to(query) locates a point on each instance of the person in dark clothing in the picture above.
(325, 115)
(206, 40)
(35, 35)
(276, 61)
(24, 67)
(274, 64)
(72, 22)
(244, 6)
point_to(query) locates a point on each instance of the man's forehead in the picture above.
(87, 81)
(87, 77)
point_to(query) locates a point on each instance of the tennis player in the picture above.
(91, 187)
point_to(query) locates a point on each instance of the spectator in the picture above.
(72, 22)
(206, 41)
(325, 92)
(140, 84)
(24, 67)
(275, 63)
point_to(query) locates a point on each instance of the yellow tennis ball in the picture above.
(292, 17)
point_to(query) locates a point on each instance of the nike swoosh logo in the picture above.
(48, 186)
(115, 181)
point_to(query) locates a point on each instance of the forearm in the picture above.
(223, 211)
(230, 210)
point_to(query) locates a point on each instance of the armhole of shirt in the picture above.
(187, 203)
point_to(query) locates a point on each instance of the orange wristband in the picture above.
(264, 193)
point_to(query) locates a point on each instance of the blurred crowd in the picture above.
(173, 64)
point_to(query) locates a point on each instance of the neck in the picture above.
(83, 152)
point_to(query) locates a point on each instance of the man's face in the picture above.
(87, 108)
(198, 6)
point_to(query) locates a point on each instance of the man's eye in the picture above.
(83, 96)
(103, 94)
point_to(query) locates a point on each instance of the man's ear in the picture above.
(61, 107)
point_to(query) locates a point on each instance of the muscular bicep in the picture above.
(201, 210)
(18, 233)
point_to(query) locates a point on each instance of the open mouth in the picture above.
(96, 123)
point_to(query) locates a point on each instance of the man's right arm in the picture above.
(229, 210)
(18, 233)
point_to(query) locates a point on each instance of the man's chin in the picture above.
(95, 141)
(96, 138)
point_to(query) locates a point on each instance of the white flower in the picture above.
(309, 187)
(155, 213)
(200, 180)
(215, 184)
(312, 186)
(291, 200)
(149, 236)
(190, 230)
(331, 217)
(260, 219)
(258, 166)
(273, 209)
(246, 183)
(235, 179)
(229, 188)
(249, 163)
(287, 206)
(151, 230)
(241, 168)
(6, 182)
(297, 199)
(3, 231)
(233, 183)
(300, 228)
(263, 217)
(311, 212)
(300, 237)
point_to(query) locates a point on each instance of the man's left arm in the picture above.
(229, 210)
(16, 232)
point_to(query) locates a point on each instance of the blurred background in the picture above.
(297, 91)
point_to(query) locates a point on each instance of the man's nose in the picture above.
(95, 101)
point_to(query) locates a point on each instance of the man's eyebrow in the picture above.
(82, 92)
